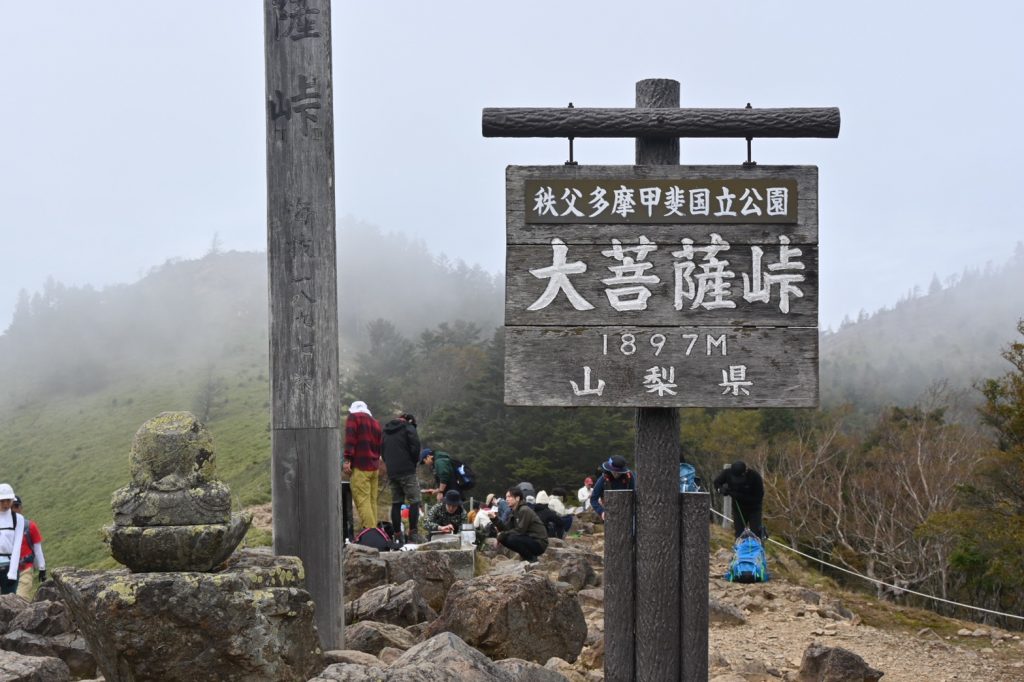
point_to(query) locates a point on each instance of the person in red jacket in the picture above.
(362, 461)
(31, 555)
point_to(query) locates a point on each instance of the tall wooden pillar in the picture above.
(301, 252)
(657, 467)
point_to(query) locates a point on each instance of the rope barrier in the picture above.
(879, 582)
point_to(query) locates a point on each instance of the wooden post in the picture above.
(620, 575)
(657, 465)
(301, 254)
(695, 540)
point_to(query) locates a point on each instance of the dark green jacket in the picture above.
(526, 522)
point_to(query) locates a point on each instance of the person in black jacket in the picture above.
(746, 488)
(400, 450)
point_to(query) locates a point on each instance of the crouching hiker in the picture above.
(447, 517)
(525, 533)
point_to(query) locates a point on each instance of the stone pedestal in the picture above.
(251, 621)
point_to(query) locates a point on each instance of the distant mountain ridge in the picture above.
(954, 333)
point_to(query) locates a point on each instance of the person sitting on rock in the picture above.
(447, 517)
(526, 535)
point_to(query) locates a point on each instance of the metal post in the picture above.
(657, 465)
(301, 257)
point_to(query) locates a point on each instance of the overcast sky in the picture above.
(134, 131)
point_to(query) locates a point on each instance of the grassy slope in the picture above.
(72, 452)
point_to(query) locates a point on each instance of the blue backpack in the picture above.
(688, 479)
(749, 563)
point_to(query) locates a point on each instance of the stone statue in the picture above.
(174, 515)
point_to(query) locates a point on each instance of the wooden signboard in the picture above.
(662, 286)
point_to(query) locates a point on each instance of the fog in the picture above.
(134, 132)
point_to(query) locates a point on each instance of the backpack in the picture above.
(688, 479)
(377, 538)
(465, 477)
(749, 563)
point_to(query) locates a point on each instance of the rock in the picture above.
(44, 618)
(396, 604)
(432, 572)
(371, 637)
(174, 515)
(726, 614)
(47, 592)
(564, 670)
(18, 668)
(445, 657)
(577, 572)
(364, 570)
(10, 606)
(833, 664)
(352, 672)
(514, 617)
(68, 647)
(512, 567)
(809, 596)
(518, 669)
(963, 632)
(592, 598)
(176, 548)
(593, 656)
(253, 620)
(980, 632)
(350, 656)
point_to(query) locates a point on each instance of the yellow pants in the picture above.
(364, 495)
(25, 585)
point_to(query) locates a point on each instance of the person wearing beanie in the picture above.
(31, 555)
(12, 533)
(525, 534)
(746, 488)
(362, 461)
(400, 449)
(446, 517)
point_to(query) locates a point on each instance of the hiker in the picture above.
(444, 471)
(31, 555)
(12, 532)
(526, 534)
(746, 488)
(551, 520)
(615, 475)
(500, 505)
(583, 494)
(482, 521)
(362, 461)
(447, 517)
(400, 449)
(555, 501)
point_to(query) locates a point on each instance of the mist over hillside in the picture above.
(193, 313)
(954, 332)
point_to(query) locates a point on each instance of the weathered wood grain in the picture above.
(657, 497)
(660, 122)
(523, 288)
(699, 228)
(620, 585)
(780, 362)
(306, 492)
(302, 280)
(695, 539)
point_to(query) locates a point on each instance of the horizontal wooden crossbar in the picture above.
(666, 122)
